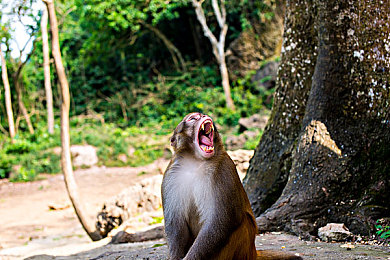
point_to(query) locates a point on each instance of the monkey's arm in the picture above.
(209, 241)
(178, 236)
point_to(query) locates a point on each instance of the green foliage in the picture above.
(383, 231)
(113, 141)
(122, 72)
(252, 143)
(156, 220)
(144, 136)
(24, 175)
(6, 162)
(19, 147)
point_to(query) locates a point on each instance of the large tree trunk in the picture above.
(7, 95)
(46, 70)
(66, 161)
(324, 156)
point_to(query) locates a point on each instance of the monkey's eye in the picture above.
(194, 117)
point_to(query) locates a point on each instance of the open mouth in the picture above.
(205, 137)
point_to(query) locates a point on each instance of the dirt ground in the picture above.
(29, 228)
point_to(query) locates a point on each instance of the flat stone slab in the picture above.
(274, 241)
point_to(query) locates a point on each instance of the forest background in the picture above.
(134, 69)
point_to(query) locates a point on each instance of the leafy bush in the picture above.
(383, 231)
(19, 147)
(24, 175)
(151, 119)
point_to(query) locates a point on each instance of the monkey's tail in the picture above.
(276, 255)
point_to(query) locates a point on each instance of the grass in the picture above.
(31, 155)
(138, 142)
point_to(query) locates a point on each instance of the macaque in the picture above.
(206, 210)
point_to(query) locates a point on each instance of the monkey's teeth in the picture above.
(202, 127)
(207, 148)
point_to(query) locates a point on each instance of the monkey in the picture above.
(206, 210)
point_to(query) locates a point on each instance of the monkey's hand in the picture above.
(211, 239)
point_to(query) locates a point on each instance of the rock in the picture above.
(234, 142)
(142, 197)
(348, 246)
(334, 232)
(56, 150)
(265, 77)
(241, 160)
(251, 134)
(56, 206)
(162, 165)
(83, 155)
(151, 234)
(122, 157)
(255, 121)
(130, 151)
(255, 44)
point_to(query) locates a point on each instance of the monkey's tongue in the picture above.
(205, 140)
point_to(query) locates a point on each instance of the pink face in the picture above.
(204, 134)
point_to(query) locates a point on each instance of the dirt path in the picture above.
(28, 226)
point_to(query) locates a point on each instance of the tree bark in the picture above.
(7, 96)
(46, 70)
(66, 162)
(217, 45)
(324, 156)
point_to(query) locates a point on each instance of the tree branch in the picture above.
(206, 30)
(220, 18)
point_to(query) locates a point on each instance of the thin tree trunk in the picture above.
(22, 107)
(46, 70)
(225, 82)
(66, 162)
(8, 102)
(170, 46)
(217, 45)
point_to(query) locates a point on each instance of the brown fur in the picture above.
(207, 212)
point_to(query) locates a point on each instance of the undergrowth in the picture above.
(143, 135)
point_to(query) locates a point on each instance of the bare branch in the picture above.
(217, 12)
(218, 46)
(206, 30)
